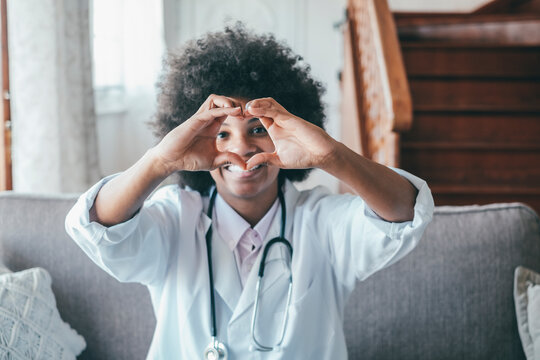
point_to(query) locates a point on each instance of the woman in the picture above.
(198, 245)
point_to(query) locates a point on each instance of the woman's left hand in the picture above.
(298, 143)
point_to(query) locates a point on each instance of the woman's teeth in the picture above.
(238, 169)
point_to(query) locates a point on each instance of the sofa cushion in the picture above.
(30, 325)
(451, 298)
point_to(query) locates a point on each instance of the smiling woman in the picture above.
(198, 244)
(239, 186)
(238, 64)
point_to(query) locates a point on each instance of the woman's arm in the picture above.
(190, 146)
(387, 193)
(120, 198)
(300, 144)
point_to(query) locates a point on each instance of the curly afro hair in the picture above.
(239, 64)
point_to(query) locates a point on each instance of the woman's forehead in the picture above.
(240, 121)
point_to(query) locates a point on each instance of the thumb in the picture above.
(263, 158)
(266, 121)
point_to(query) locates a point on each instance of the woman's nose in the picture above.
(241, 145)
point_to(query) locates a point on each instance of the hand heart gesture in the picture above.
(298, 143)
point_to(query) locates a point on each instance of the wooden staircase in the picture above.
(476, 98)
(474, 128)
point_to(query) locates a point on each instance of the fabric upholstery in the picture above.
(115, 319)
(451, 298)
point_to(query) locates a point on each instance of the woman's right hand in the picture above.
(192, 146)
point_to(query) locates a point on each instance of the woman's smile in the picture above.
(244, 174)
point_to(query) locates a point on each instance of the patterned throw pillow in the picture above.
(527, 301)
(30, 325)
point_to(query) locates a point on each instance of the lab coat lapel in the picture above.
(226, 279)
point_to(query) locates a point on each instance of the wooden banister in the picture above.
(374, 79)
(5, 124)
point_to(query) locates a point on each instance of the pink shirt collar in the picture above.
(231, 226)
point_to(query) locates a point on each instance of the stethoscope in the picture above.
(216, 349)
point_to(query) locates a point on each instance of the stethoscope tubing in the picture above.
(280, 239)
(258, 345)
(213, 329)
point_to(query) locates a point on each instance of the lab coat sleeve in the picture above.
(133, 251)
(358, 242)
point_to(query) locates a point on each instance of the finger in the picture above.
(260, 103)
(263, 158)
(226, 158)
(219, 112)
(267, 110)
(266, 121)
(225, 102)
(214, 101)
(209, 117)
(206, 104)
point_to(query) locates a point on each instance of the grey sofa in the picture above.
(451, 298)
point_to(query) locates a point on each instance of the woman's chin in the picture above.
(246, 191)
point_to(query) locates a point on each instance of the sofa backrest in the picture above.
(451, 298)
(115, 319)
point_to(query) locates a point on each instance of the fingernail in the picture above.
(248, 105)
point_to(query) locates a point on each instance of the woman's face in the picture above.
(245, 137)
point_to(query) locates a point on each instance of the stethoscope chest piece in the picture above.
(215, 351)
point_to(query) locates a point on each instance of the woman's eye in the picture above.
(259, 130)
(222, 135)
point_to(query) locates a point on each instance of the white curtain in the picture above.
(54, 129)
(128, 52)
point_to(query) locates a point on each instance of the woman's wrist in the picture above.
(158, 166)
(334, 158)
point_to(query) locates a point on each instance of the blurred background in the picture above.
(445, 89)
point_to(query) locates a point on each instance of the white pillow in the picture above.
(533, 313)
(30, 325)
(527, 301)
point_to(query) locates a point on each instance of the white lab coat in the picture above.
(336, 239)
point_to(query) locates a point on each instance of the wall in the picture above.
(307, 26)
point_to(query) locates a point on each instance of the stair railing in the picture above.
(377, 102)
